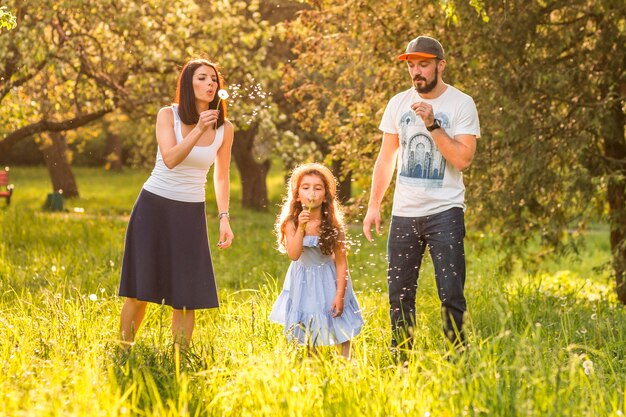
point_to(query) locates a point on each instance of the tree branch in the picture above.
(13, 84)
(49, 126)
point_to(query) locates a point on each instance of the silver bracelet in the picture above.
(223, 214)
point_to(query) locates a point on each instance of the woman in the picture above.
(166, 256)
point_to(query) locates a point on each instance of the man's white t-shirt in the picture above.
(425, 183)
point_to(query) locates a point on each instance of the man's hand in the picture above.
(425, 111)
(372, 216)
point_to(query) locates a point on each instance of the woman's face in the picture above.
(204, 84)
(311, 191)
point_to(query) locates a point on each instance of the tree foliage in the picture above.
(66, 67)
(552, 90)
(548, 79)
(7, 19)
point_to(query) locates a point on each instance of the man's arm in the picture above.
(459, 151)
(381, 178)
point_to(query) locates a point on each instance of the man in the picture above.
(431, 130)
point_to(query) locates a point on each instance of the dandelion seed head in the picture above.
(588, 367)
(223, 94)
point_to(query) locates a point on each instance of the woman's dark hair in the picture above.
(186, 99)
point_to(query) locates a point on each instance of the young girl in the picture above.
(317, 305)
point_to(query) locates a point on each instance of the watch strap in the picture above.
(435, 125)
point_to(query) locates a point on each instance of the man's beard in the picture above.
(429, 86)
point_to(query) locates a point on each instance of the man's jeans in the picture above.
(443, 233)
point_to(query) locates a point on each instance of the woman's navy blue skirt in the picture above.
(167, 259)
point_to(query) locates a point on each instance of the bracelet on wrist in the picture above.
(222, 215)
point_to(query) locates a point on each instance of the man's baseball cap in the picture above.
(423, 47)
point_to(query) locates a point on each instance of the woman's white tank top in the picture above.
(187, 180)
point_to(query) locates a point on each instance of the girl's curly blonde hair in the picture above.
(332, 227)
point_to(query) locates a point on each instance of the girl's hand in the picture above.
(226, 234)
(207, 119)
(303, 218)
(337, 308)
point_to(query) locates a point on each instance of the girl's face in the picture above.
(311, 191)
(205, 83)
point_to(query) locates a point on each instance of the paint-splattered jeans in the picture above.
(443, 233)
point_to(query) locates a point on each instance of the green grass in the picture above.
(546, 344)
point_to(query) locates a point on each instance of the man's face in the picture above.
(424, 73)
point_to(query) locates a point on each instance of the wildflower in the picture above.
(222, 95)
(311, 198)
(93, 297)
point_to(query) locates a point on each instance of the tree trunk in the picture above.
(612, 131)
(253, 174)
(615, 149)
(617, 208)
(344, 182)
(617, 219)
(55, 154)
(113, 150)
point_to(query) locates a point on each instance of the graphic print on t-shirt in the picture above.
(421, 163)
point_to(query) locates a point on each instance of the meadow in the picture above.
(546, 343)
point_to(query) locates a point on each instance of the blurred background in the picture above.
(81, 83)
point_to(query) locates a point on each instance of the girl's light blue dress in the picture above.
(304, 304)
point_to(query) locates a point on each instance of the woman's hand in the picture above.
(226, 234)
(207, 119)
(337, 308)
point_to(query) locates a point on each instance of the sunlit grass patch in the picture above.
(543, 344)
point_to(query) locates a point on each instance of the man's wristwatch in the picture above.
(434, 126)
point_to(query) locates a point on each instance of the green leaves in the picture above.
(545, 75)
(7, 19)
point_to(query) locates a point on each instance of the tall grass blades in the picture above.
(551, 343)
